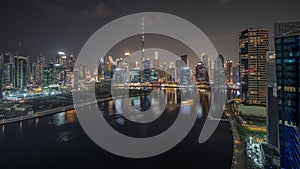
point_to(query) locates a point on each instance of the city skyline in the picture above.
(49, 27)
(229, 96)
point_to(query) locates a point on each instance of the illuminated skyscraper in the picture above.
(72, 61)
(33, 72)
(228, 71)
(185, 76)
(184, 58)
(201, 73)
(1, 76)
(8, 68)
(101, 69)
(135, 75)
(61, 59)
(143, 41)
(146, 70)
(40, 68)
(272, 100)
(236, 75)
(154, 75)
(49, 74)
(254, 44)
(287, 52)
(21, 72)
(156, 60)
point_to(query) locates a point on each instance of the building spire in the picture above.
(143, 41)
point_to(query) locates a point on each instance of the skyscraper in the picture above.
(254, 44)
(272, 101)
(8, 69)
(40, 68)
(184, 58)
(235, 75)
(185, 77)
(228, 71)
(21, 72)
(146, 70)
(33, 72)
(49, 74)
(1, 76)
(201, 73)
(60, 59)
(156, 60)
(287, 51)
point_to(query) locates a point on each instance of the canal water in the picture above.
(58, 141)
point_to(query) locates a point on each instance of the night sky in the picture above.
(48, 26)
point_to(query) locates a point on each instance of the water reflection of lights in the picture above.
(37, 121)
(70, 116)
(121, 121)
(186, 109)
(59, 119)
(200, 111)
(66, 137)
(3, 129)
(21, 125)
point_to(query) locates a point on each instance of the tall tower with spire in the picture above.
(143, 41)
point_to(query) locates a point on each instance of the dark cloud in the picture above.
(74, 9)
(99, 11)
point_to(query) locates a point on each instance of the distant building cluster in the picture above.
(124, 71)
(20, 74)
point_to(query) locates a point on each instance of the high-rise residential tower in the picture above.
(272, 101)
(228, 71)
(254, 43)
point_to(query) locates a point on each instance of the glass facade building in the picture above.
(287, 43)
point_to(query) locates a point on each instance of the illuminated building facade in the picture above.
(135, 75)
(201, 73)
(228, 71)
(287, 51)
(1, 76)
(272, 100)
(8, 68)
(185, 77)
(49, 74)
(21, 72)
(146, 70)
(40, 68)
(254, 44)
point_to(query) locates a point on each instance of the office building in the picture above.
(60, 59)
(287, 52)
(49, 74)
(156, 60)
(72, 61)
(185, 77)
(272, 101)
(33, 72)
(201, 73)
(236, 75)
(228, 72)
(146, 70)
(1, 76)
(40, 68)
(254, 44)
(8, 69)
(184, 58)
(135, 75)
(21, 72)
(154, 75)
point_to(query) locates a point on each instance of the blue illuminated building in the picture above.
(287, 43)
